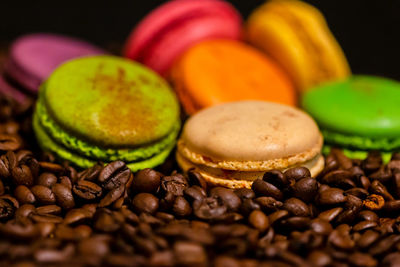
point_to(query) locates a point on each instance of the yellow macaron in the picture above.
(296, 35)
(235, 143)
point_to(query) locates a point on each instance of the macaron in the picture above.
(235, 143)
(33, 57)
(105, 108)
(164, 34)
(358, 115)
(296, 35)
(219, 71)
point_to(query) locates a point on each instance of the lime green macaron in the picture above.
(105, 108)
(359, 114)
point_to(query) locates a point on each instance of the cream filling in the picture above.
(315, 165)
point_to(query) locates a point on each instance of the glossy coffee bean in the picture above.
(195, 178)
(181, 207)
(259, 220)
(331, 196)
(114, 175)
(305, 189)
(296, 207)
(22, 175)
(47, 179)
(24, 195)
(297, 173)
(262, 188)
(43, 195)
(145, 202)
(87, 190)
(147, 181)
(227, 196)
(63, 195)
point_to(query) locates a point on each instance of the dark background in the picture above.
(368, 30)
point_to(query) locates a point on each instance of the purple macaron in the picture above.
(32, 58)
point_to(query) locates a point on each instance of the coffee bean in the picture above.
(48, 209)
(64, 180)
(341, 240)
(362, 260)
(278, 215)
(209, 208)
(63, 195)
(9, 142)
(297, 173)
(195, 193)
(227, 196)
(195, 178)
(364, 225)
(365, 182)
(22, 175)
(305, 189)
(276, 178)
(319, 258)
(7, 209)
(358, 192)
(175, 184)
(87, 190)
(296, 207)
(47, 179)
(321, 226)
(182, 207)
(114, 175)
(262, 188)
(268, 203)
(367, 239)
(43, 195)
(368, 216)
(245, 193)
(379, 189)
(374, 202)
(384, 245)
(147, 181)
(46, 218)
(248, 205)
(331, 196)
(259, 220)
(24, 195)
(44, 256)
(104, 221)
(18, 232)
(112, 196)
(91, 173)
(145, 202)
(189, 254)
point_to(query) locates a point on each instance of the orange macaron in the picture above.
(219, 71)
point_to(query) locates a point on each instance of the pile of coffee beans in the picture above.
(52, 214)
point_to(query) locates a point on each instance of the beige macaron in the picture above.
(235, 143)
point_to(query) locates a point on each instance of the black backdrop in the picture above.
(368, 30)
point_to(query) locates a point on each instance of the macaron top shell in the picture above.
(170, 29)
(360, 106)
(37, 55)
(251, 131)
(110, 101)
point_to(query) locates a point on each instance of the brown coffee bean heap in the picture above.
(54, 215)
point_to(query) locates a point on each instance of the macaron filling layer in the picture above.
(315, 165)
(48, 144)
(86, 149)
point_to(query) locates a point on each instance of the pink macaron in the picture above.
(163, 35)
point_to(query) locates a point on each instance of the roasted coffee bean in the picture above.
(63, 195)
(248, 205)
(227, 196)
(379, 189)
(195, 193)
(209, 208)
(91, 173)
(9, 142)
(64, 180)
(104, 221)
(7, 209)
(331, 196)
(24, 195)
(147, 181)
(46, 218)
(262, 188)
(278, 215)
(245, 193)
(49, 209)
(297, 173)
(87, 190)
(344, 162)
(362, 260)
(259, 220)
(174, 184)
(43, 195)
(112, 196)
(114, 175)
(195, 178)
(321, 226)
(276, 178)
(47, 179)
(305, 189)
(319, 258)
(268, 203)
(358, 192)
(341, 239)
(367, 239)
(384, 245)
(368, 216)
(364, 225)
(374, 202)
(182, 207)
(22, 175)
(77, 216)
(145, 202)
(189, 254)
(296, 207)
(365, 182)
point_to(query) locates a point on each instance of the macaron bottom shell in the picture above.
(88, 150)
(242, 179)
(48, 144)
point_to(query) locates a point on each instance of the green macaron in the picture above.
(359, 114)
(105, 108)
